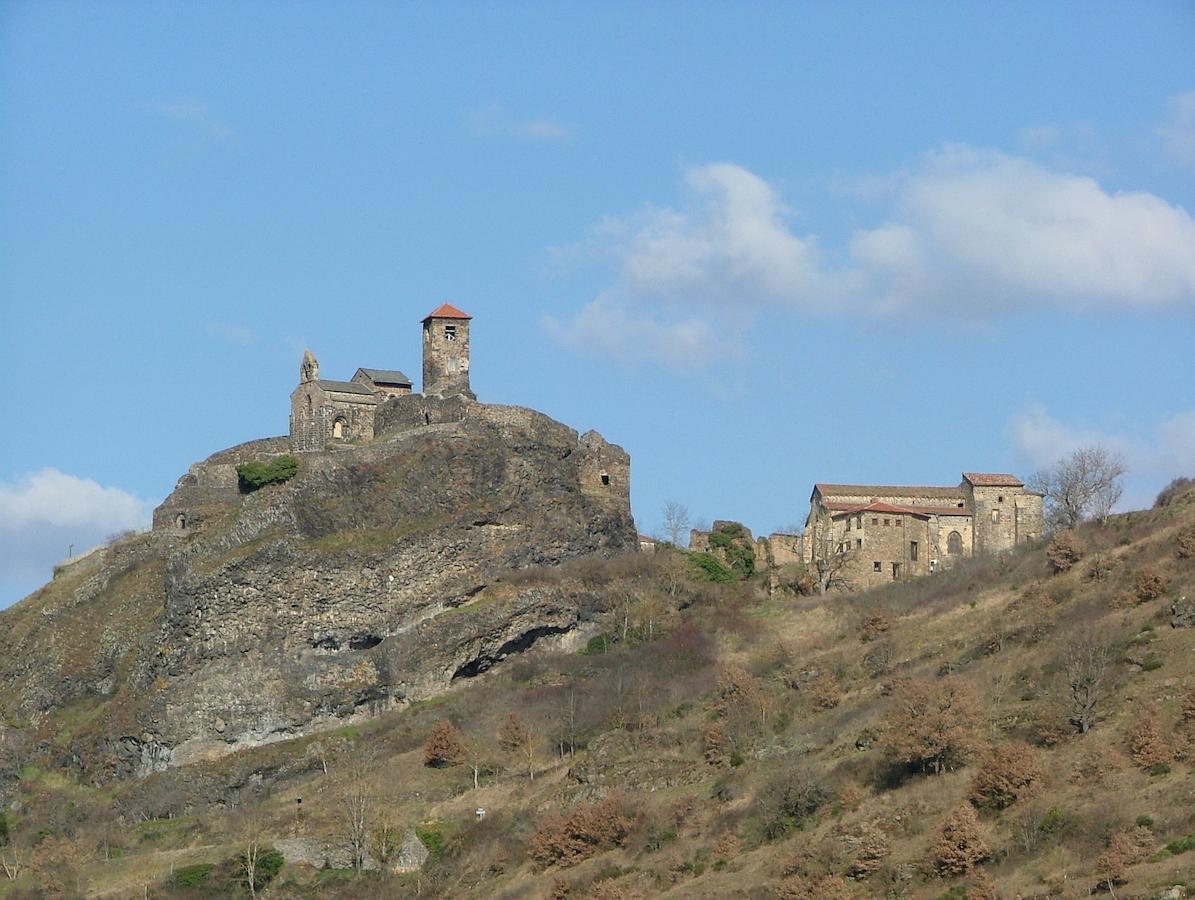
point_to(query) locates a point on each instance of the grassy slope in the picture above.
(640, 715)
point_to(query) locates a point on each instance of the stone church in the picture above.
(324, 412)
(889, 533)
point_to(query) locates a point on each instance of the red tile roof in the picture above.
(447, 311)
(993, 479)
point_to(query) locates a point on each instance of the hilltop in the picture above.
(726, 740)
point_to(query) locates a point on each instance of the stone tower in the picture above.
(446, 353)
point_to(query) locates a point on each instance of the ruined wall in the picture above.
(209, 487)
(941, 528)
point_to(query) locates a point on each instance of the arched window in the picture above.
(180, 521)
(954, 543)
(309, 404)
(338, 428)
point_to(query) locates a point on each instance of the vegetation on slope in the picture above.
(1009, 727)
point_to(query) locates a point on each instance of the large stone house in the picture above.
(324, 412)
(888, 532)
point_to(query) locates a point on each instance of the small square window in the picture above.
(900, 523)
(887, 522)
(877, 566)
(450, 332)
(875, 521)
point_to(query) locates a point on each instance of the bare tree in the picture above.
(13, 861)
(829, 556)
(676, 521)
(252, 848)
(1083, 485)
(1085, 667)
(356, 812)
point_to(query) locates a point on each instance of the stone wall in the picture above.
(209, 487)
(446, 362)
(315, 411)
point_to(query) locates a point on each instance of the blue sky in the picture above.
(759, 245)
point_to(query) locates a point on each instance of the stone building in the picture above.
(889, 532)
(324, 413)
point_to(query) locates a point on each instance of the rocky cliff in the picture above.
(372, 578)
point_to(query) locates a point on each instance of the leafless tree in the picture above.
(1086, 484)
(676, 521)
(829, 556)
(252, 847)
(13, 861)
(356, 808)
(1085, 666)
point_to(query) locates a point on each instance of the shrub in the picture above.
(824, 692)
(933, 726)
(1064, 552)
(1146, 743)
(269, 864)
(788, 800)
(1174, 491)
(1008, 774)
(587, 830)
(1185, 543)
(1150, 587)
(960, 846)
(873, 627)
(432, 838)
(812, 887)
(259, 473)
(443, 746)
(709, 568)
(4, 827)
(982, 887)
(868, 846)
(1125, 848)
(191, 876)
(1189, 706)
(1182, 845)
(730, 539)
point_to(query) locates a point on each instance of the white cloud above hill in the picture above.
(43, 513)
(968, 233)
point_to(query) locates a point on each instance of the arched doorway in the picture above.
(339, 427)
(954, 543)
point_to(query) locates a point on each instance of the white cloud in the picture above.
(1154, 456)
(1001, 231)
(614, 328)
(493, 120)
(1166, 449)
(1178, 132)
(43, 513)
(967, 233)
(195, 114)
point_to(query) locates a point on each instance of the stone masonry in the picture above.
(893, 532)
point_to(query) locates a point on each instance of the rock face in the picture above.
(374, 577)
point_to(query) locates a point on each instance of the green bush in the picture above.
(432, 837)
(269, 864)
(191, 876)
(1182, 845)
(710, 568)
(739, 554)
(259, 473)
(1159, 769)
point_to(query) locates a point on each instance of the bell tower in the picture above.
(446, 353)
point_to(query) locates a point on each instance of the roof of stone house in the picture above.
(887, 490)
(446, 311)
(837, 506)
(849, 508)
(993, 479)
(344, 387)
(386, 376)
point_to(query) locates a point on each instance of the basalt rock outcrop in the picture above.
(378, 575)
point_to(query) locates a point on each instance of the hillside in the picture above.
(371, 578)
(716, 740)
